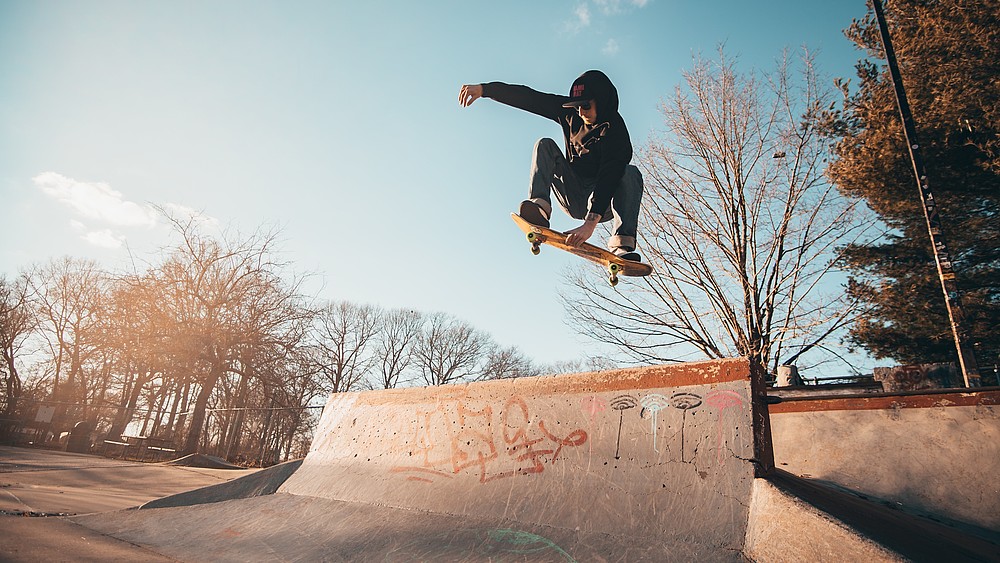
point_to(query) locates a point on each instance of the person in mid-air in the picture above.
(593, 181)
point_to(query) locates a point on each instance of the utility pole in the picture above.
(952, 301)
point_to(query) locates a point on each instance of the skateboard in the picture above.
(614, 265)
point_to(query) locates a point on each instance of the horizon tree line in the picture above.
(212, 349)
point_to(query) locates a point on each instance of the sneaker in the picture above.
(627, 254)
(533, 213)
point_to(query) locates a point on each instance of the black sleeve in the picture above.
(524, 98)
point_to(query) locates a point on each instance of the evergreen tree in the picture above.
(949, 57)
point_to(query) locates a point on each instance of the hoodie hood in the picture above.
(595, 85)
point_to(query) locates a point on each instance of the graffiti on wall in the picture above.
(622, 403)
(461, 437)
(722, 400)
(655, 406)
(652, 404)
(454, 438)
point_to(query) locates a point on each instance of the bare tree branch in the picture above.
(740, 224)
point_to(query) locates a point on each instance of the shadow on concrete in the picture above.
(914, 537)
(263, 482)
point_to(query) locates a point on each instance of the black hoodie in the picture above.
(600, 151)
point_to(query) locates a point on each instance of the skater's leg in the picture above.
(550, 171)
(625, 206)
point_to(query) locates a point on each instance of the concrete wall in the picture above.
(936, 453)
(784, 528)
(663, 455)
(651, 464)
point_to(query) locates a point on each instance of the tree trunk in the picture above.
(200, 405)
(236, 425)
(13, 387)
(183, 416)
(127, 411)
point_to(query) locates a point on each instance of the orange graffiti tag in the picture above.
(453, 441)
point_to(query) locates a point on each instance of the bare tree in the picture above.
(17, 322)
(227, 300)
(68, 295)
(502, 363)
(137, 335)
(400, 329)
(450, 350)
(740, 224)
(206, 347)
(590, 363)
(345, 334)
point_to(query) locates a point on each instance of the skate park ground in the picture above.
(38, 488)
(650, 464)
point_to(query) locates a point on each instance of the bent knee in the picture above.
(632, 174)
(546, 144)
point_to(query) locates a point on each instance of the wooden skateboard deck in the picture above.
(614, 265)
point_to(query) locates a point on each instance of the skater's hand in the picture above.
(579, 235)
(469, 94)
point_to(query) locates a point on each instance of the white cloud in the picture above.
(95, 201)
(104, 238)
(610, 48)
(580, 20)
(583, 13)
(184, 213)
(610, 7)
(102, 215)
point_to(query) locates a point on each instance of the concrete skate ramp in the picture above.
(943, 459)
(260, 483)
(650, 463)
(659, 454)
(202, 460)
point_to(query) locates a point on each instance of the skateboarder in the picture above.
(593, 181)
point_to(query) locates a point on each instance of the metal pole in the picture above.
(952, 300)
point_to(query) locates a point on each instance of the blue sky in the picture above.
(338, 122)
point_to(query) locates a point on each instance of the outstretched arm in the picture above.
(520, 97)
(469, 94)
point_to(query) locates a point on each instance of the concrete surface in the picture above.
(642, 453)
(911, 537)
(649, 464)
(44, 482)
(284, 527)
(936, 453)
(786, 528)
(31, 540)
(261, 483)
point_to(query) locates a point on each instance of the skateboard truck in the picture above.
(536, 240)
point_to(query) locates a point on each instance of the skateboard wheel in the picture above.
(613, 280)
(614, 268)
(535, 250)
(533, 238)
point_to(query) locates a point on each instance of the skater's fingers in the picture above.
(468, 94)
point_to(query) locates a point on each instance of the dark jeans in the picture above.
(551, 172)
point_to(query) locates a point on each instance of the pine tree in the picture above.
(949, 57)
